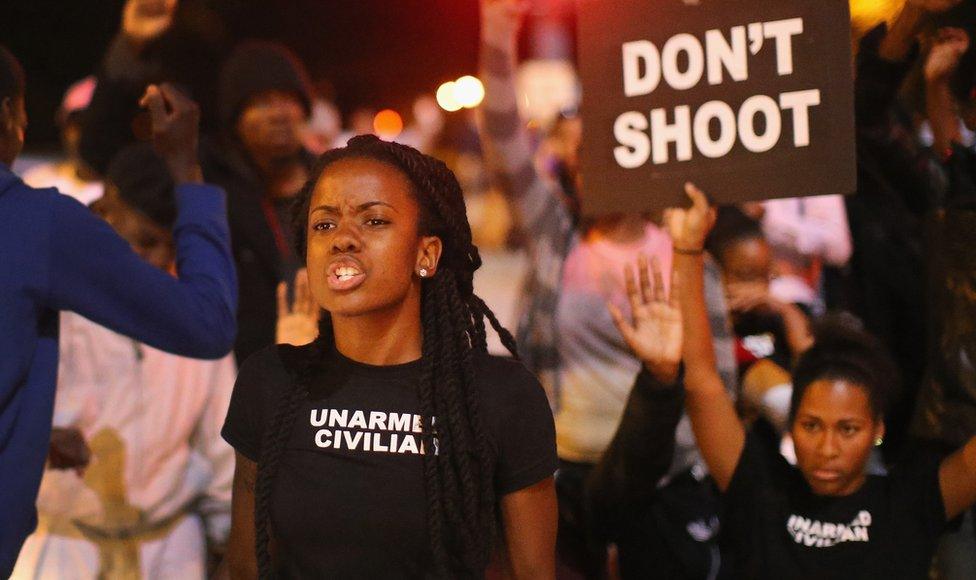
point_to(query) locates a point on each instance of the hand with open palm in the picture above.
(298, 323)
(654, 331)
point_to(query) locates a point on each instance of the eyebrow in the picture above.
(360, 208)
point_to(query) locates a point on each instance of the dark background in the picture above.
(378, 53)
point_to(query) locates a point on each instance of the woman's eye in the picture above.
(376, 222)
(849, 430)
(810, 425)
(322, 226)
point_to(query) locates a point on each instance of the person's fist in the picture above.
(145, 20)
(689, 227)
(947, 49)
(175, 130)
(68, 449)
(502, 19)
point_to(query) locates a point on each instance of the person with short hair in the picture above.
(57, 255)
(827, 517)
(155, 494)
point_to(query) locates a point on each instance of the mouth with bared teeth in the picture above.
(344, 275)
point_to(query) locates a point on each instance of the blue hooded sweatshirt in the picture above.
(55, 254)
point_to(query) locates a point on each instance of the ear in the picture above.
(879, 429)
(429, 255)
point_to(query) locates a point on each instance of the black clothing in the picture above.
(349, 497)
(886, 219)
(667, 531)
(260, 240)
(778, 528)
(947, 402)
(256, 67)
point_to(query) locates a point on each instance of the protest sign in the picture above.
(749, 99)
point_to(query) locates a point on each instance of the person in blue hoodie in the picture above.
(56, 255)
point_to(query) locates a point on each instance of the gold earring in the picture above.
(878, 441)
(423, 272)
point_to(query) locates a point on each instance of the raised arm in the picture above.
(642, 449)
(96, 274)
(957, 480)
(720, 434)
(508, 149)
(940, 106)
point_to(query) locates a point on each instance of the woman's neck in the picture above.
(381, 339)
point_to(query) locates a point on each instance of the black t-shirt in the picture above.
(777, 528)
(349, 497)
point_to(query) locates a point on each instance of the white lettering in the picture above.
(732, 57)
(635, 145)
(726, 135)
(747, 129)
(635, 53)
(799, 102)
(318, 421)
(783, 31)
(679, 132)
(323, 438)
(677, 44)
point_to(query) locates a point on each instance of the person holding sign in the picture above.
(566, 334)
(827, 517)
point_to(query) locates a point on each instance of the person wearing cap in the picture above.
(70, 175)
(138, 481)
(57, 256)
(260, 160)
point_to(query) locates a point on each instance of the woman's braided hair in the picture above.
(461, 507)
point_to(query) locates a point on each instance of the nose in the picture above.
(345, 239)
(828, 444)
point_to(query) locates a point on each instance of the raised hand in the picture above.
(654, 332)
(145, 20)
(501, 20)
(175, 130)
(689, 227)
(298, 323)
(943, 59)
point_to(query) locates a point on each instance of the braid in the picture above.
(458, 459)
(273, 444)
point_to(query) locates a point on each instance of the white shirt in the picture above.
(152, 420)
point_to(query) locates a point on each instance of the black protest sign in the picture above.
(749, 99)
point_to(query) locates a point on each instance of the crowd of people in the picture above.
(240, 341)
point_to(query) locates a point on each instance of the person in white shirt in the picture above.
(155, 494)
(70, 175)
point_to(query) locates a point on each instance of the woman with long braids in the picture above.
(393, 446)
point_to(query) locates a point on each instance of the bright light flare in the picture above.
(388, 124)
(447, 98)
(468, 91)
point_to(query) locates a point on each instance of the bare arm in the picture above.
(940, 105)
(242, 560)
(509, 153)
(720, 434)
(529, 518)
(957, 480)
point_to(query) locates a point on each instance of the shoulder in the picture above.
(505, 380)
(271, 365)
(510, 394)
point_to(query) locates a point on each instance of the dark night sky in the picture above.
(374, 52)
